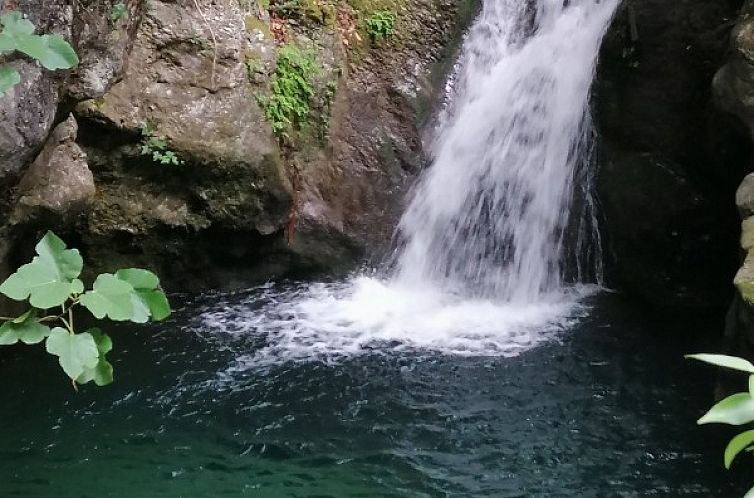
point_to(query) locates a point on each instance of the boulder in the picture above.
(59, 179)
(670, 161)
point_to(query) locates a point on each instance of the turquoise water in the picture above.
(606, 409)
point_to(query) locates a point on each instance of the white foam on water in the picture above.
(328, 322)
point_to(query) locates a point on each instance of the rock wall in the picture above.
(671, 160)
(243, 204)
(733, 88)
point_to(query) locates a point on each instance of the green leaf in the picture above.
(50, 278)
(75, 352)
(59, 54)
(15, 24)
(52, 51)
(77, 286)
(119, 12)
(110, 297)
(721, 360)
(102, 372)
(737, 409)
(9, 78)
(749, 494)
(25, 328)
(7, 43)
(737, 445)
(147, 294)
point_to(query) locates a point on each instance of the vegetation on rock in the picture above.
(156, 147)
(737, 409)
(51, 282)
(381, 24)
(292, 89)
(120, 11)
(51, 51)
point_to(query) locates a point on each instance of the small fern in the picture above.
(381, 24)
(292, 89)
(156, 147)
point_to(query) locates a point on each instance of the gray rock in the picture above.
(59, 179)
(733, 84)
(745, 196)
(26, 116)
(670, 161)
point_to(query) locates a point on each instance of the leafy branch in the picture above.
(51, 51)
(51, 282)
(737, 409)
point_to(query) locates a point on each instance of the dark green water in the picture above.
(607, 411)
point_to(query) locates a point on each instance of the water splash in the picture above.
(489, 218)
(498, 224)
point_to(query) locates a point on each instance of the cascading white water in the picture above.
(490, 215)
(482, 264)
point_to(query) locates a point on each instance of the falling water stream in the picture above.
(485, 362)
(489, 217)
(485, 241)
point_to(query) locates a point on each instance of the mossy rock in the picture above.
(253, 23)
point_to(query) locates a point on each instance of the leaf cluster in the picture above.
(737, 409)
(51, 282)
(157, 148)
(292, 89)
(381, 24)
(120, 11)
(17, 34)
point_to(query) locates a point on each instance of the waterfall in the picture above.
(500, 223)
(491, 214)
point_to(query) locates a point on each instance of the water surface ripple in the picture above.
(604, 408)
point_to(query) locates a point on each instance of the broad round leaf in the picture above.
(737, 445)
(58, 53)
(148, 296)
(111, 297)
(737, 409)
(139, 278)
(102, 372)
(49, 279)
(77, 286)
(52, 250)
(32, 45)
(721, 360)
(749, 494)
(15, 24)
(9, 78)
(25, 328)
(52, 51)
(75, 352)
(158, 304)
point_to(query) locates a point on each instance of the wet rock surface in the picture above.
(671, 159)
(242, 205)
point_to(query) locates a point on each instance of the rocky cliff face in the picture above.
(671, 159)
(733, 88)
(225, 201)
